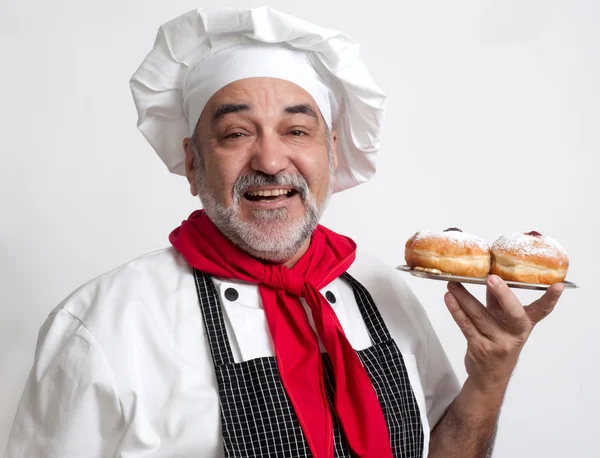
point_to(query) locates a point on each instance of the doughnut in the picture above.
(529, 258)
(451, 251)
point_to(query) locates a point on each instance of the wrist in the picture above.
(487, 388)
(482, 400)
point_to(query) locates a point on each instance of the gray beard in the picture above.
(274, 235)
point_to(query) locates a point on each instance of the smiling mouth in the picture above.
(269, 195)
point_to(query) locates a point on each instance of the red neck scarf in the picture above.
(296, 345)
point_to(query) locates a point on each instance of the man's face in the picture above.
(266, 167)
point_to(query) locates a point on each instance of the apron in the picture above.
(257, 417)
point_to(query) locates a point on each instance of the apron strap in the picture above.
(214, 324)
(374, 323)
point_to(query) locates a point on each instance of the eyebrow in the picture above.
(303, 108)
(228, 108)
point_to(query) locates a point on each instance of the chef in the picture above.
(259, 332)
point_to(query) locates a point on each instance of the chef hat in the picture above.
(198, 53)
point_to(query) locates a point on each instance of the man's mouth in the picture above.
(269, 195)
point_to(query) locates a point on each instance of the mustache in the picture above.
(260, 179)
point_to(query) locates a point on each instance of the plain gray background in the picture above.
(492, 127)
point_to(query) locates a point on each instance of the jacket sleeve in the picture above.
(441, 384)
(69, 408)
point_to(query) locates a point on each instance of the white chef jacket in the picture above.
(123, 368)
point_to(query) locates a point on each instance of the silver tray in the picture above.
(478, 281)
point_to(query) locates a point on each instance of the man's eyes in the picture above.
(236, 135)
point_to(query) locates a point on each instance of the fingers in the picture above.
(503, 313)
(515, 318)
(539, 309)
(485, 323)
(493, 306)
(465, 323)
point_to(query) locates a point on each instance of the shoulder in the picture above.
(141, 314)
(143, 283)
(371, 268)
(383, 280)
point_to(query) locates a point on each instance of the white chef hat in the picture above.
(201, 51)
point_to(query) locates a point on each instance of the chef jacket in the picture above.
(122, 366)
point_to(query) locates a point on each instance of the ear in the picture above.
(334, 138)
(189, 165)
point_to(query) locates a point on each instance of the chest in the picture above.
(183, 412)
(273, 406)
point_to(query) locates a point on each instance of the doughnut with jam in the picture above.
(451, 251)
(529, 258)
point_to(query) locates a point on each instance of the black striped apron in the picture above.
(257, 417)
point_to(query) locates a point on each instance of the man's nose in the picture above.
(269, 154)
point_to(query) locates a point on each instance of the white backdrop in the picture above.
(492, 126)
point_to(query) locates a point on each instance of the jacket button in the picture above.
(330, 297)
(231, 294)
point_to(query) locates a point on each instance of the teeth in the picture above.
(270, 192)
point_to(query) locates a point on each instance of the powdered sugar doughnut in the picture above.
(529, 258)
(451, 251)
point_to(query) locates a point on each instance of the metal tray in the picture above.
(478, 281)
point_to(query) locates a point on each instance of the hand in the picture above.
(497, 332)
